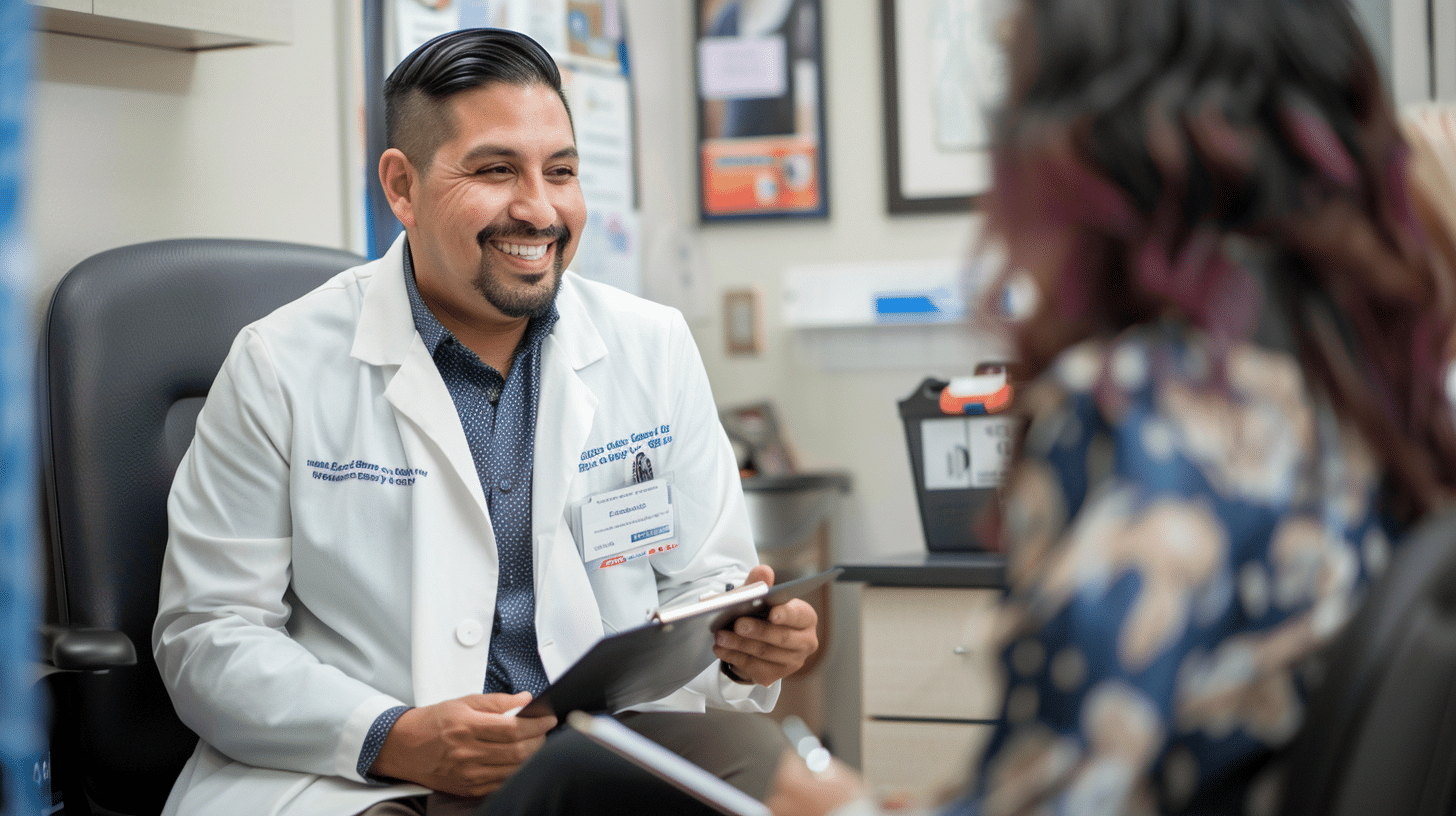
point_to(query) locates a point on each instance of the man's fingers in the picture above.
(754, 645)
(777, 661)
(509, 754)
(497, 703)
(531, 727)
(784, 637)
(762, 572)
(766, 652)
(501, 728)
(495, 725)
(755, 630)
(758, 670)
(795, 614)
(758, 650)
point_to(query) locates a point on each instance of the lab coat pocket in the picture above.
(346, 506)
(626, 594)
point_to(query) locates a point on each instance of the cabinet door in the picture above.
(245, 20)
(920, 763)
(927, 653)
(186, 25)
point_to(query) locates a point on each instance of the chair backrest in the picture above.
(131, 344)
(1380, 734)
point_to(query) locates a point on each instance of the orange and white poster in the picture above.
(761, 109)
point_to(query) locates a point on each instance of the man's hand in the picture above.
(466, 746)
(799, 792)
(767, 650)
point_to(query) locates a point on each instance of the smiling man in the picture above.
(376, 551)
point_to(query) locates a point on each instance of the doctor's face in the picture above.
(498, 213)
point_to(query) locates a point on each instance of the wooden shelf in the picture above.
(183, 25)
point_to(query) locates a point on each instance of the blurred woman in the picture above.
(1239, 340)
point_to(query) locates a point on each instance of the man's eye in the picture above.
(492, 171)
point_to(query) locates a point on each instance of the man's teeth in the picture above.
(530, 253)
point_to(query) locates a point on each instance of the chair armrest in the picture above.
(87, 650)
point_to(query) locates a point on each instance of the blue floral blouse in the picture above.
(1180, 536)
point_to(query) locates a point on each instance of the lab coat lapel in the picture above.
(420, 396)
(455, 558)
(451, 531)
(564, 416)
(386, 337)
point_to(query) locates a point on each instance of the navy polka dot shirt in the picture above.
(498, 415)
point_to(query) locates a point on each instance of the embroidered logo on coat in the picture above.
(620, 449)
(362, 471)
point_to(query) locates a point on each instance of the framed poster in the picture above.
(944, 72)
(761, 147)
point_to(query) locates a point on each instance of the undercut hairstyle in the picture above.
(1144, 142)
(416, 117)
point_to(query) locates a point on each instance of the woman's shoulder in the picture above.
(1239, 417)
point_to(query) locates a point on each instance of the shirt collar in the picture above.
(433, 333)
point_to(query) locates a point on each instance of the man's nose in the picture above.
(532, 203)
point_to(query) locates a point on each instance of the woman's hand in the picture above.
(798, 791)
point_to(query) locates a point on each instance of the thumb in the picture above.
(762, 572)
(497, 703)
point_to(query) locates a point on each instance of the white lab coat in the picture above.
(298, 601)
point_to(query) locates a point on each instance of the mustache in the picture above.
(499, 232)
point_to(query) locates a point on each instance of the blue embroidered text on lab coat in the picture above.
(619, 449)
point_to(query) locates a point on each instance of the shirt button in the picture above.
(469, 632)
(505, 485)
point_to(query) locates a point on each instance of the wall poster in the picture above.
(944, 72)
(761, 144)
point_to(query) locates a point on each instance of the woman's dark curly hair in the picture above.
(1138, 134)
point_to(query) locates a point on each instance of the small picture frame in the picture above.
(742, 323)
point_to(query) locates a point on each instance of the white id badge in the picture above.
(623, 525)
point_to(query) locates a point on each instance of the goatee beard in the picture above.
(530, 304)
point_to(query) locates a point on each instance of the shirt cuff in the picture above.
(374, 743)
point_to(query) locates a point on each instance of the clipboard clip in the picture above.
(748, 592)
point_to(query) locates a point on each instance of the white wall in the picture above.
(132, 143)
(833, 420)
(1403, 33)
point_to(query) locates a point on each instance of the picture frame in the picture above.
(943, 72)
(762, 150)
(742, 322)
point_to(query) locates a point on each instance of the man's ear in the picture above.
(398, 178)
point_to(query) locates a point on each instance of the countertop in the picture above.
(972, 570)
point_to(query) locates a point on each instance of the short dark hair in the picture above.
(415, 118)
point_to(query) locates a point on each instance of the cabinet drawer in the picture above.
(928, 653)
(921, 763)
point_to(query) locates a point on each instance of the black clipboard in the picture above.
(654, 660)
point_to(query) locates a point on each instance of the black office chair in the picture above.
(131, 344)
(1380, 734)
